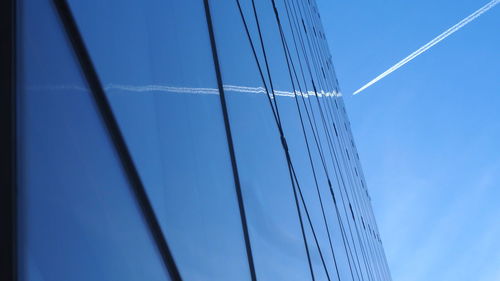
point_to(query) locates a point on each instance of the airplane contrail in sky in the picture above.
(431, 43)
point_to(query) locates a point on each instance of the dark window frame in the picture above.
(8, 234)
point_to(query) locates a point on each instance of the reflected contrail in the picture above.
(431, 43)
(185, 90)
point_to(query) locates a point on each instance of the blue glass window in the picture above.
(78, 218)
(275, 232)
(156, 67)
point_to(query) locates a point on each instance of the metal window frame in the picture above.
(8, 257)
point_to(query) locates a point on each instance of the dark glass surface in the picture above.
(78, 218)
(155, 62)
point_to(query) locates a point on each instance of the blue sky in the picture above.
(429, 134)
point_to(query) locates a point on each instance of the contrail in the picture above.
(431, 43)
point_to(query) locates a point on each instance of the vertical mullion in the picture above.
(232, 154)
(8, 233)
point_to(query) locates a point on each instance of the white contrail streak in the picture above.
(431, 43)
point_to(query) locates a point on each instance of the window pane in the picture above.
(78, 218)
(275, 233)
(155, 62)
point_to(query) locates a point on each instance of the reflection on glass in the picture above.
(155, 63)
(78, 219)
(275, 234)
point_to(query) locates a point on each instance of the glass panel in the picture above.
(320, 108)
(78, 218)
(277, 242)
(155, 61)
(287, 104)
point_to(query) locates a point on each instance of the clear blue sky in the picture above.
(429, 134)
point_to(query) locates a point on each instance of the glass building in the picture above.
(177, 140)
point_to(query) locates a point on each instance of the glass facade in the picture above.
(181, 140)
